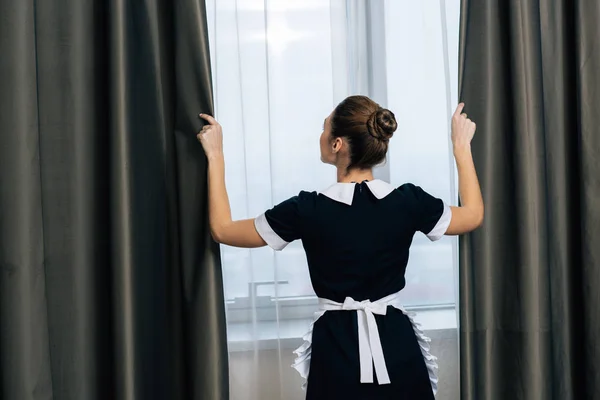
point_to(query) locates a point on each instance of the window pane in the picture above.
(418, 90)
(278, 73)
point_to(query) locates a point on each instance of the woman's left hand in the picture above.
(211, 137)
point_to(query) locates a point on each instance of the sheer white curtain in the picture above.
(279, 68)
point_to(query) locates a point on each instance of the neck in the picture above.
(360, 175)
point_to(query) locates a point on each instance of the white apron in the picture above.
(369, 343)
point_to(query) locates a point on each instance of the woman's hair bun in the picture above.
(382, 124)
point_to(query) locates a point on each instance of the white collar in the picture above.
(344, 192)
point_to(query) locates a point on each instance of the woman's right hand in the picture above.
(211, 137)
(463, 129)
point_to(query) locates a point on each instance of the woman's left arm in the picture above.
(223, 229)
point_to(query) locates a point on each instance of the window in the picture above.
(279, 68)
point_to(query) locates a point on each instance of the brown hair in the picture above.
(367, 128)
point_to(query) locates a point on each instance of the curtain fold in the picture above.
(110, 285)
(24, 330)
(203, 300)
(528, 305)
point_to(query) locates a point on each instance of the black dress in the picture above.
(357, 239)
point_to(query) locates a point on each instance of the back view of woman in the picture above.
(357, 235)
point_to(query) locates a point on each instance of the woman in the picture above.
(356, 235)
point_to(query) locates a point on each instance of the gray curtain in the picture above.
(529, 279)
(110, 286)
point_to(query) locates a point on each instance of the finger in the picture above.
(209, 119)
(459, 109)
(464, 115)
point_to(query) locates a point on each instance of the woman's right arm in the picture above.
(224, 230)
(469, 216)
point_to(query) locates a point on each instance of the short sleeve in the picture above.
(282, 224)
(432, 216)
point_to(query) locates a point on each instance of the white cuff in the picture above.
(439, 230)
(268, 234)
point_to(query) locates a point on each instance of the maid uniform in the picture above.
(362, 344)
